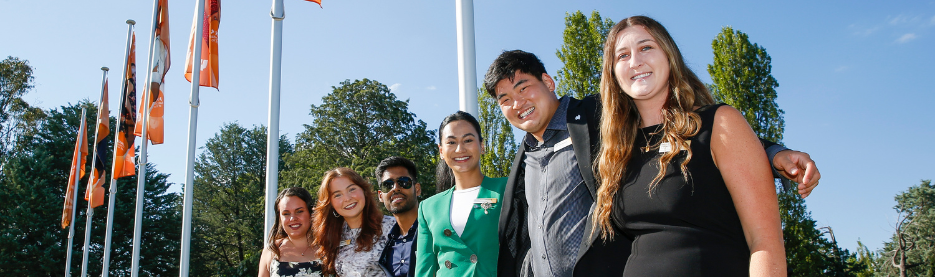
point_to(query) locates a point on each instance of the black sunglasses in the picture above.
(403, 182)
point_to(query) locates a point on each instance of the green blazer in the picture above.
(441, 251)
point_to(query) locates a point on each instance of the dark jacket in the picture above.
(596, 257)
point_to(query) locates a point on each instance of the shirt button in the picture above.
(474, 258)
(543, 256)
(402, 261)
(447, 232)
(448, 264)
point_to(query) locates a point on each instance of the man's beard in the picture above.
(408, 205)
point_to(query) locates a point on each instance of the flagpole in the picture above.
(74, 202)
(272, 140)
(141, 176)
(87, 228)
(194, 102)
(467, 61)
(108, 237)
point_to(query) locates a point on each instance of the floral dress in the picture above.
(295, 269)
(350, 263)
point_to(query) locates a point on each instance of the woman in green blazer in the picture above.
(458, 226)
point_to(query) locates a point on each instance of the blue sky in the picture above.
(854, 76)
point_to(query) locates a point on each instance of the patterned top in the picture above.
(351, 263)
(295, 269)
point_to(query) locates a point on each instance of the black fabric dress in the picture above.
(682, 228)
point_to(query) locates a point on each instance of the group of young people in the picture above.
(648, 178)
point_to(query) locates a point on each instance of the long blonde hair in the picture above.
(620, 118)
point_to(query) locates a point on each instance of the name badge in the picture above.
(665, 147)
(562, 144)
(485, 203)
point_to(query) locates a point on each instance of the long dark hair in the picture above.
(277, 232)
(328, 228)
(444, 178)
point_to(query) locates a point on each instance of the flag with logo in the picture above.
(153, 93)
(95, 192)
(77, 164)
(123, 163)
(209, 46)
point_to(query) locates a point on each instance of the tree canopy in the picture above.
(581, 53)
(357, 125)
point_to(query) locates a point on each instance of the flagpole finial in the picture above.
(105, 68)
(131, 22)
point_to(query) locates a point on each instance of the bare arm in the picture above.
(265, 259)
(743, 164)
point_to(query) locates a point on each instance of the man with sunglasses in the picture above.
(399, 193)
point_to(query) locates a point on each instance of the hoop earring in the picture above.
(335, 213)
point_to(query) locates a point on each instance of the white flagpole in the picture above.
(467, 61)
(141, 175)
(108, 237)
(91, 180)
(194, 102)
(272, 139)
(74, 202)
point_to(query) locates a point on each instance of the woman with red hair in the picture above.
(349, 227)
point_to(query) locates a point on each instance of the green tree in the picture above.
(230, 178)
(913, 243)
(32, 242)
(16, 116)
(582, 53)
(741, 75)
(742, 79)
(357, 125)
(499, 142)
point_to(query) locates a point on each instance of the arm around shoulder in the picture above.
(742, 162)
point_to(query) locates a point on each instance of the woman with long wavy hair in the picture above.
(349, 227)
(290, 250)
(686, 179)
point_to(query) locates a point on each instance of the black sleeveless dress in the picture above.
(682, 228)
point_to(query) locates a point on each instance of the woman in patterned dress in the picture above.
(349, 226)
(290, 251)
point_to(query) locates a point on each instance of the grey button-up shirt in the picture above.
(558, 198)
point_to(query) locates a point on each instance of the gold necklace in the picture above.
(648, 145)
(307, 246)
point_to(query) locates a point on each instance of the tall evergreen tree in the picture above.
(742, 79)
(32, 242)
(357, 125)
(582, 53)
(230, 178)
(499, 142)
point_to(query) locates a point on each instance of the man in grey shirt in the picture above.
(545, 225)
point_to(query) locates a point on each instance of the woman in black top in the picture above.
(687, 180)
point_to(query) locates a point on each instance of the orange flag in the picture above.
(315, 1)
(77, 164)
(95, 191)
(123, 164)
(209, 46)
(153, 93)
